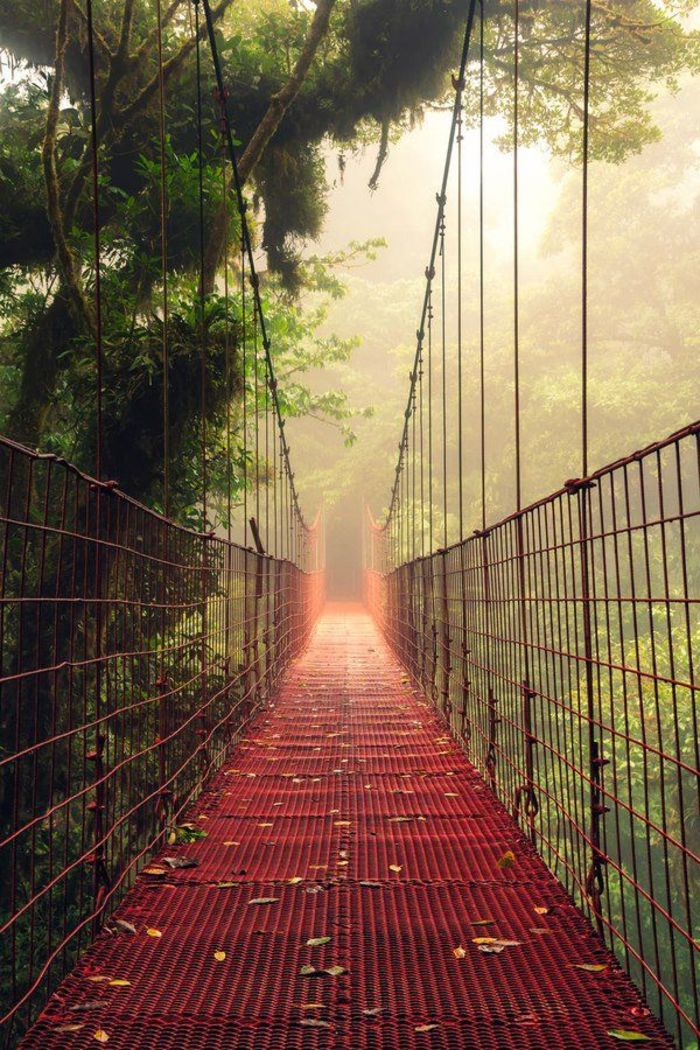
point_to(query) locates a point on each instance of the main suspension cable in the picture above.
(295, 509)
(430, 269)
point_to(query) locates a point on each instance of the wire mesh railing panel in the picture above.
(132, 652)
(560, 645)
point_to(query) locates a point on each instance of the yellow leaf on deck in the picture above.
(119, 982)
(153, 933)
(459, 952)
(507, 860)
(101, 1036)
(219, 956)
(395, 867)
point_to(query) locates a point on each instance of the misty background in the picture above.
(643, 314)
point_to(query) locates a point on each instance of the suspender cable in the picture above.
(516, 276)
(99, 426)
(584, 247)
(443, 362)
(482, 391)
(460, 445)
(244, 369)
(430, 416)
(227, 348)
(256, 404)
(164, 263)
(202, 333)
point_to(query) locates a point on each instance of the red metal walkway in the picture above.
(349, 817)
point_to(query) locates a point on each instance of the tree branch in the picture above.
(67, 267)
(278, 106)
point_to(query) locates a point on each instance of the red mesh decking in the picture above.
(294, 804)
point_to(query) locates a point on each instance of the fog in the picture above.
(643, 316)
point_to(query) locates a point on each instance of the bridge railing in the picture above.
(561, 646)
(132, 653)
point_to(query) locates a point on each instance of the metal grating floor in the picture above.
(305, 812)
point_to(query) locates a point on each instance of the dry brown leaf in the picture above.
(425, 1027)
(395, 867)
(264, 900)
(459, 952)
(101, 1036)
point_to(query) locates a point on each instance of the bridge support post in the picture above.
(491, 754)
(525, 796)
(465, 728)
(595, 879)
(100, 878)
(446, 642)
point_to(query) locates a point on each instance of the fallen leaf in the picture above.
(425, 1027)
(315, 1022)
(366, 882)
(459, 952)
(119, 982)
(94, 1004)
(542, 911)
(126, 927)
(180, 862)
(372, 1011)
(484, 940)
(591, 967)
(264, 900)
(507, 860)
(316, 942)
(491, 949)
(628, 1035)
(231, 843)
(312, 1006)
(97, 978)
(395, 867)
(101, 1036)
(226, 885)
(335, 971)
(540, 929)
(482, 922)
(69, 1028)
(219, 956)
(153, 933)
(265, 824)
(295, 879)
(342, 823)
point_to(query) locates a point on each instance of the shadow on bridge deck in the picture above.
(350, 817)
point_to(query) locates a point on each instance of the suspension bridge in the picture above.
(461, 814)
